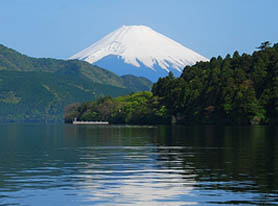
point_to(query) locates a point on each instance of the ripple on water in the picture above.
(80, 168)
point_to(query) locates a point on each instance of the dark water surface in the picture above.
(117, 165)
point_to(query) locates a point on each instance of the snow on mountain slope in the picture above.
(141, 46)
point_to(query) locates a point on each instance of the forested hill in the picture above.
(235, 90)
(239, 89)
(38, 89)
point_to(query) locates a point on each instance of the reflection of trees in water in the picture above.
(109, 135)
(230, 159)
(206, 158)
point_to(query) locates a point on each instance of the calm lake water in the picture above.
(121, 165)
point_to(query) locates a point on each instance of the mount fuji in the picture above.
(141, 51)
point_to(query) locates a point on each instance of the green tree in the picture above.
(264, 45)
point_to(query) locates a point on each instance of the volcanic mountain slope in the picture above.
(140, 51)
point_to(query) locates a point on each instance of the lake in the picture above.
(130, 165)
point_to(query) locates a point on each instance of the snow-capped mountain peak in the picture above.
(140, 45)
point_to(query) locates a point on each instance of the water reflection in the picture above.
(131, 173)
(237, 160)
(115, 165)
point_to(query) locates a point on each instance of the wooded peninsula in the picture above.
(235, 90)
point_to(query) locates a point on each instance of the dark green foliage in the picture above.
(34, 89)
(237, 90)
(264, 45)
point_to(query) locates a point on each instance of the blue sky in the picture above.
(60, 28)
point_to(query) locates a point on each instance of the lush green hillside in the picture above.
(33, 89)
(42, 96)
(237, 90)
(136, 108)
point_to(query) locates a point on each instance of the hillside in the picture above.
(35, 89)
(136, 83)
(12, 60)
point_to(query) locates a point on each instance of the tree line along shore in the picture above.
(234, 90)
